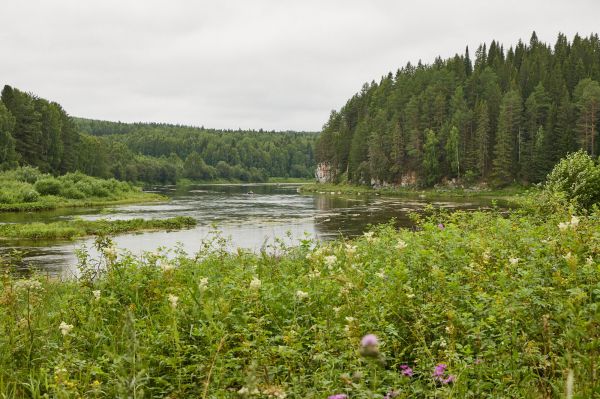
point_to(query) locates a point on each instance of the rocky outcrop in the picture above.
(325, 173)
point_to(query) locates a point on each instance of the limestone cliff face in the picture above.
(325, 173)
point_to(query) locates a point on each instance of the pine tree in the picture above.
(587, 94)
(482, 138)
(8, 155)
(431, 163)
(505, 151)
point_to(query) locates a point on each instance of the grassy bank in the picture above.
(505, 193)
(188, 182)
(27, 189)
(468, 306)
(81, 228)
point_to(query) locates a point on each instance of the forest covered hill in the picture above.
(40, 133)
(508, 115)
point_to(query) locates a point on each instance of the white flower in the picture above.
(350, 319)
(330, 260)
(350, 249)
(110, 252)
(203, 284)
(574, 221)
(255, 284)
(369, 236)
(569, 256)
(301, 295)
(96, 294)
(589, 261)
(65, 328)
(28, 285)
(314, 274)
(562, 226)
(173, 300)
(513, 261)
(486, 255)
(401, 244)
(337, 310)
(166, 266)
(410, 296)
(380, 273)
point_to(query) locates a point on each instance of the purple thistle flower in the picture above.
(449, 379)
(369, 340)
(439, 370)
(338, 396)
(441, 226)
(407, 371)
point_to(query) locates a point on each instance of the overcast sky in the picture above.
(272, 64)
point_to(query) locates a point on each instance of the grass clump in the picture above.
(28, 189)
(80, 228)
(469, 305)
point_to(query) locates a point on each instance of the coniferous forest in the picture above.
(499, 116)
(39, 133)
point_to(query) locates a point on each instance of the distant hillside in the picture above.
(39, 133)
(240, 154)
(509, 116)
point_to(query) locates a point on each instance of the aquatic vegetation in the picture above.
(493, 305)
(66, 230)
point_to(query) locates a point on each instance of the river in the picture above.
(250, 215)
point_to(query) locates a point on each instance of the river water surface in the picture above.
(252, 216)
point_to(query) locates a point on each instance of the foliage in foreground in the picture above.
(81, 228)
(468, 306)
(577, 179)
(28, 189)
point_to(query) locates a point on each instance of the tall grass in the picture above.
(478, 305)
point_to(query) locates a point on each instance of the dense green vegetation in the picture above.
(205, 154)
(509, 304)
(39, 133)
(28, 189)
(509, 116)
(80, 228)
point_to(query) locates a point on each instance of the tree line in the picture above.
(39, 133)
(509, 116)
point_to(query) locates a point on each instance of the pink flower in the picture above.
(369, 340)
(407, 371)
(439, 370)
(338, 396)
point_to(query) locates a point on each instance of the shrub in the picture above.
(577, 179)
(48, 186)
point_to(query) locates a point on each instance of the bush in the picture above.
(48, 186)
(577, 179)
(17, 192)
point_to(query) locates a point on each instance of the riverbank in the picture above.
(28, 190)
(271, 180)
(67, 230)
(478, 304)
(509, 193)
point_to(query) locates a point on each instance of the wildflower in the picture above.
(96, 294)
(513, 261)
(439, 370)
(350, 249)
(173, 301)
(449, 379)
(406, 370)
(441, 226)
(589, 261)
(401, 245)
(410, 296)
(562, 226)
(338, 396)
(391, 394)
(314, 274)
(203, 284)
(65, 328)
(369, 236)
(301, 295)
(330, 260)
(96, 384)
(166, 266)
(255, 284)
(28, 285)
(369, 345)
(574, 221)
(110, 252)
(380, 273)
(337, 309)
(478, 361)
(486, 255)
(369, 340)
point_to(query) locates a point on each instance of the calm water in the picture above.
(250, 220)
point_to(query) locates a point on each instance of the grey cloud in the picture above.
(272, 64)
